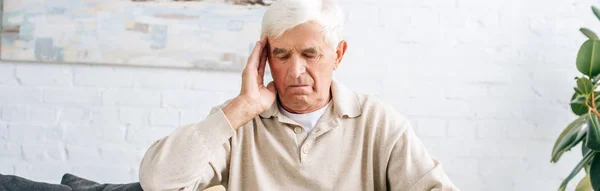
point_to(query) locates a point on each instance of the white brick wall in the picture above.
(485, 83)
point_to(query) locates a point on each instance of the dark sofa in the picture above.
(69, 182)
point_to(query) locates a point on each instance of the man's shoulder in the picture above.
(379, 112)
(381, 120)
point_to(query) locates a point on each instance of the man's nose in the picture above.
(298, 67)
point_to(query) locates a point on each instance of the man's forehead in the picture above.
(297, 43)
(288, 45)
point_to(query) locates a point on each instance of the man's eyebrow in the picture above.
(279, 51)
(311, 50)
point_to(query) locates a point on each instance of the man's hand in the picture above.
(254, 97)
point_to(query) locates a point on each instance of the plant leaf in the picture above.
(593, 135)
(584, 150)
(570, 136)
(589, 33)
(595, 172)
(584, 184)
(578, 104)
(595, 79)
(585, 85)
(577, 91)
(588, 58)
(588, 157)
(596, 12)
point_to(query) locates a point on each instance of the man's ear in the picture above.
(340, 51)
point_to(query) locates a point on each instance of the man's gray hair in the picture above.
(283, 15)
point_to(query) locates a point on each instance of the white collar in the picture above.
(307, 120)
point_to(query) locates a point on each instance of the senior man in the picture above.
(303, 131)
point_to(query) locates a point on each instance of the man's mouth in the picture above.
(299, 85)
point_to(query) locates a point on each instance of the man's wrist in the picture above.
(238, 112)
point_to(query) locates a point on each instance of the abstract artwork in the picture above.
(204, 34)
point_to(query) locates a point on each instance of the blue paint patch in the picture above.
(158, 36)
(26, 32)
(9, 39)
(45, 50)
(68, 4)
(8, 15)
(56, 11)
(28, 15)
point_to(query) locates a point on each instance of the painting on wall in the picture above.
(204, 34)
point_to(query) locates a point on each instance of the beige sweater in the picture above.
(358, 144)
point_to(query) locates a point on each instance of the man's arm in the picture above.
(196, 156)
(411, 168)
(192, 157)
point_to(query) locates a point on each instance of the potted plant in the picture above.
(585, 104)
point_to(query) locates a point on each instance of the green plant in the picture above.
(585, 104)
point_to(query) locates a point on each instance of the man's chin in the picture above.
(298, 97)
(299, 91)
(295, 99)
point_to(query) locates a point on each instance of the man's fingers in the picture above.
(263, 62)
(253, 60)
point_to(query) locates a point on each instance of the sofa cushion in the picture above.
(82, 184)
(15, 183)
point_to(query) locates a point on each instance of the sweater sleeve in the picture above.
(411, 167)
(192, 157)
